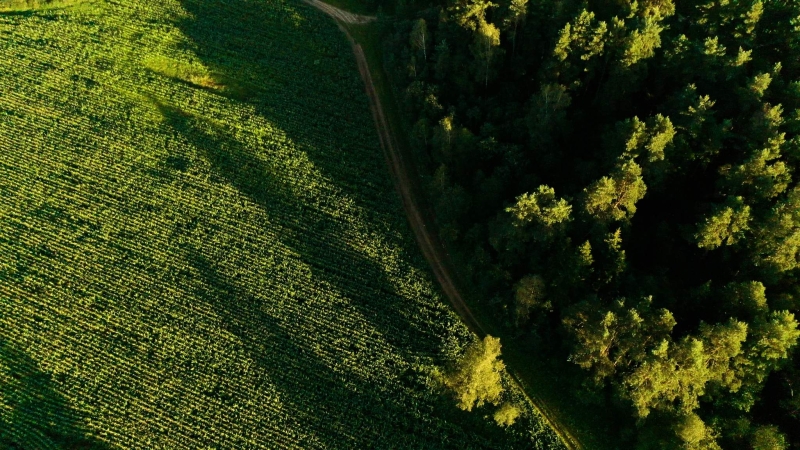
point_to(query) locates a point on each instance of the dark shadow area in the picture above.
(35, 415)
(341, 413)
(236, 39)
(317, 237)
(297, 68)
(334, 408)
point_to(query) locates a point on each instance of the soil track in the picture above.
(406, 180)
(339, 14)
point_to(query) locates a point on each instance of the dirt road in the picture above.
(406, 180)
(340, 14)
(404, 176)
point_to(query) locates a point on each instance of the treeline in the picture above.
(620, 178)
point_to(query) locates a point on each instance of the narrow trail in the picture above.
(340, 14)
(406, 180)
(403, 175)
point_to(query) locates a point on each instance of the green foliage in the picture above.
(507, 414)
(476, 378)
(695, 434)
(485, 49)
(34, 5)
(613, 198)
(778, 237)
(768, 438)
(542, 208)
(676, 128)
(726, 224)
(530, 294)
(613, 339)
(471, 14)
(676, 375)
(745, 300)
(583, 37)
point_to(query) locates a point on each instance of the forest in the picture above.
(618, 179)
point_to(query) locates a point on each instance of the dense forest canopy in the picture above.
(620, 178)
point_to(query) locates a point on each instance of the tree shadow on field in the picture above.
(328, 410)
(315, 235)
(33, 415)
(323, 408)
(293, 65)
(235, 40)
(334, 408)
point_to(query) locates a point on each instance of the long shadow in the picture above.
(34, 414)
(316, 236)
(236, 40)
(333, 407)
(340, 413)
(302, 78)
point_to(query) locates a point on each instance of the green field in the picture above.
(200, 245)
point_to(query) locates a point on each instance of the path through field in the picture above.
(340, 14)
(405, 177)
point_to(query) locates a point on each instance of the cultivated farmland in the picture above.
(200, 246)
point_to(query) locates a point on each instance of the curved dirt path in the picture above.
(340, 14)
(406, 180)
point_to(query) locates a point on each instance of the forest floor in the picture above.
(406, 179)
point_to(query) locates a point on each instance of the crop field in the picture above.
(200, 245)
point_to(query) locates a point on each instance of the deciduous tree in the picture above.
(476, 377)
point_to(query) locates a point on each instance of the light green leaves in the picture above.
(613, 198)
(542, 207)
(476, 378)
(726, 224)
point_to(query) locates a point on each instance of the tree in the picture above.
(675, 375)
(476, 378)
(642, 43)
(541, 207)
(530, 293)
(768, 438)
(694, 433)
(485, 47)
(419, 36)
(649, 139)
(763, 175)
(617, 338)
(547, 112)
(517, 11)
(470, 14)
(726, 225)
(443, 134)
(507, 414)
(578, 45)
(614, 198)
(777, 245)
(745, 300)
(772, 338)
